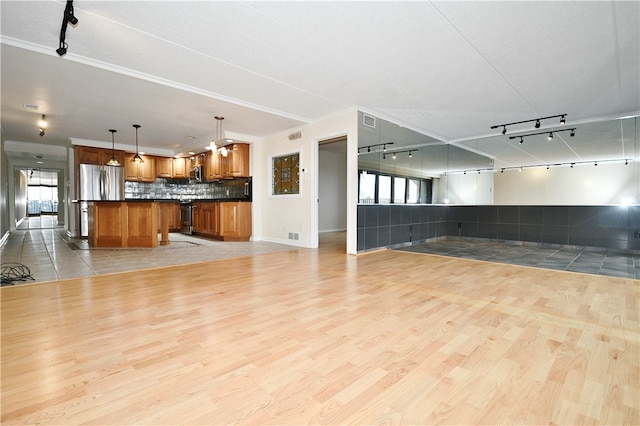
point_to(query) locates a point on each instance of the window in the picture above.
(399, 186)
(384, 189)
(367, 192)
(375, 188)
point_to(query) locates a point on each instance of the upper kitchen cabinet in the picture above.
(139, 172)
(213, 166)
(180, 167)
(164, 167)
(99, 156)
(236, 163)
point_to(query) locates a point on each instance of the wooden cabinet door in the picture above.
(236, 163)
(229, 219)
(197, 221)
(210, 218)
(100, 156)
(180, 169)
(213, 166)
(164, 167)
(139, 172)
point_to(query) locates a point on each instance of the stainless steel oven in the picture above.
(186, 216)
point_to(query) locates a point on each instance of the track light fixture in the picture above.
(549, 134)
(136, 158)
(537, 121)
(532, 166)
(42, 125)
(394, 154)
(67, 17)
(113, 161)
(370, 147)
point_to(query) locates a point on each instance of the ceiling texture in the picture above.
(447, 70)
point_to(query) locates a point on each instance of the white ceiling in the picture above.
(448, 70)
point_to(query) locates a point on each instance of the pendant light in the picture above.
(113, 161)
(136, 158)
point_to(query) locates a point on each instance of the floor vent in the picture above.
(369, 121)
(294, 236)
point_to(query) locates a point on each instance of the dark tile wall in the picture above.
(595, 226)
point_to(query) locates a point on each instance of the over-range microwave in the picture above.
(195, 175)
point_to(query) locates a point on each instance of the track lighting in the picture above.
(42, 125)
(521, 140)
(573, 164)
(410, 154)
(384, 156)
(136, 158)
(547, 166)
(113, 161)
(67, 17)
(394, 156)
(369, 147)
(549, 134)
(595, 163)
(537, 121)
(626, 162)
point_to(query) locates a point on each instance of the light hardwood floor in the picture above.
(319, 337)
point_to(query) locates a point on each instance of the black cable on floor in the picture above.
(15, 272)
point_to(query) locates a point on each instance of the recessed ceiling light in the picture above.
(40, 162)
(191, 137)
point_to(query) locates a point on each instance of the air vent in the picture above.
(31, 106)
(369, 121)
(294, 136)
(294, 236)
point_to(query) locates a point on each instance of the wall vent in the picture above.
(369, 121)
(294, 136)
(294, 235)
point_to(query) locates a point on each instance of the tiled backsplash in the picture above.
(173, 189)
(594, 226)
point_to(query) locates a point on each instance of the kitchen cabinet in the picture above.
(180, 168)
(227, 220)
(236, 163)
(123, 224)
(213, 166)
(173, 215)
(164, 167)
(99, 156)
(139, 172)
(234, 220)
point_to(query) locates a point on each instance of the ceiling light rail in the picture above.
(549, 134)
(370, 148)
(394, 154)
(537, 121)
(547, 166)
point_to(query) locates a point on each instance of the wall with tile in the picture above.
(595, 226)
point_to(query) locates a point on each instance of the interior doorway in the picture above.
(332, 191)
(37, 198)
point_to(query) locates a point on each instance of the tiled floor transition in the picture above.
(589, 260)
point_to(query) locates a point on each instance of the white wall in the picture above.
(278, 215)
(606, 183)
(470, 188)
(332, 189)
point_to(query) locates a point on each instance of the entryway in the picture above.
(37, 198)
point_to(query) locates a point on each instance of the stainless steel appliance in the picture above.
(195, 174)
(186, 217)
(98, 183)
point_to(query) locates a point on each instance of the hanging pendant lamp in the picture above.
(113, 161)
(136, 158)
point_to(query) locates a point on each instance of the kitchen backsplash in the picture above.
(174, 189)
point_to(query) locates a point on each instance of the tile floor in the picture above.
(50, 254)
(615, 263)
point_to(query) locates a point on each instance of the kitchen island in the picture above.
(126, 224)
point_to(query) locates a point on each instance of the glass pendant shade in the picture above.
(136, 158)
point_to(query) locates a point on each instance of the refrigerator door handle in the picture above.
(103, 192)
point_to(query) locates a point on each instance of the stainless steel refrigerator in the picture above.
(98, 183)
